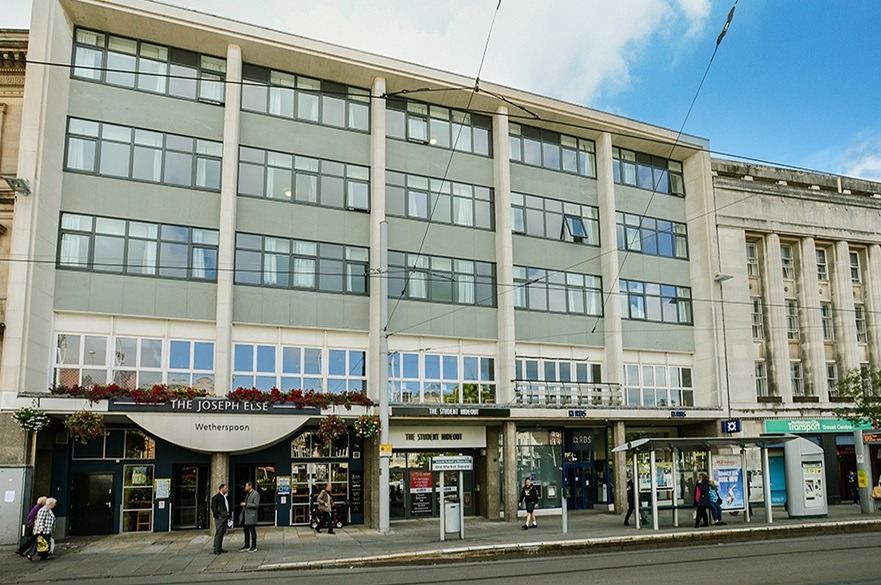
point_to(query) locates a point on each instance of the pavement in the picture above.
(410, 541)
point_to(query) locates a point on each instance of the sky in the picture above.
(794, 82)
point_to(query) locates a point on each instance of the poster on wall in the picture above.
(421, 491)
(664, 473)
(356, 492)
(728, 474)
(283, 485)
(163, 488)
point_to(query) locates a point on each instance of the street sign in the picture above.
(730, 426)
(385, 450)
(452, 463)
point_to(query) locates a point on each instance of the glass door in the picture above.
(189, 486)
(580, 481)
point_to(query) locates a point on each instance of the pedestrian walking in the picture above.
(631, 505)
(853, 486)
(29, 537)
(222, 517)
(529, 498)
(325, 506)
(248, 517)
(44, 526)
(701, 500)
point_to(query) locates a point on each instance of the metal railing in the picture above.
(567, 394)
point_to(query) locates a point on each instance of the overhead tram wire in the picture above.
(656, 183)
(648, 205)
(475, 90)
(531, 115)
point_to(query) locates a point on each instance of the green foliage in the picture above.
(860, 390)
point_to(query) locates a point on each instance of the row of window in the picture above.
(131, 362)
(440, 201)
(103, 244)
(300, 264)
(796, 378)
(788, 263)
(163, 70)
(792, 323)
(537, 289)
(148, 67)
(555, 220)
(649, 172)
(301, 179)
(440, 279)
(434, 378)
(546, 370)
(551, 150)
(657, 386)
(309, 368)
(124, 152)
(648, 301)
(657, 237)
(438, 126)
(297, 97)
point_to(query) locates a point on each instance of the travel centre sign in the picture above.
(815, 426)
(215, 425)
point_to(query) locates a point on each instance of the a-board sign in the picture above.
(452, 463)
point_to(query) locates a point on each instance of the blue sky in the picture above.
(795, 82)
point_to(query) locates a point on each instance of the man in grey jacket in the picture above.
(249, 517)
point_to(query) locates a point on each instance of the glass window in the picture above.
(649, 172)
(548, 149)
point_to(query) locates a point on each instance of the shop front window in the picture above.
(137, 498)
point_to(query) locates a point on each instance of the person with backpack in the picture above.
(529, 497)
(715, 503)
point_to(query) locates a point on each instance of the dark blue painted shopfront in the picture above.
(130, 482)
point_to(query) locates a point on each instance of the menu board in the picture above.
(356, 492)
(421, 490)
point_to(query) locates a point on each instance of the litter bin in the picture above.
(451, 517)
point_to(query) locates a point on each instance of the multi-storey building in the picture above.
(207, 212)
(802, 309)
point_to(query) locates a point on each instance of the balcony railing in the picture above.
(567, 394)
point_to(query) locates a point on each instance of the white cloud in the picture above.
(862, 158)
(569, 49)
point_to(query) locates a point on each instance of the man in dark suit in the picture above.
(222, 515)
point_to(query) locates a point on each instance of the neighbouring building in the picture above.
(803, 308)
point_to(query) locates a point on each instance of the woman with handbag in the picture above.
(29, 527)
(44, 525)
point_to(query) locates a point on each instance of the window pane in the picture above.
(115, 159)
(179, 355)
(173, 260)
(74, 250)
(333, 111)
(81, 154)
(147, 164)
(179, 168)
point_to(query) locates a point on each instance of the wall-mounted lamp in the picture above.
(720, 277)
(20, 186)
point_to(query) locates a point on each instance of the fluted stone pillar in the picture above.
(775, 304)
(811, 323)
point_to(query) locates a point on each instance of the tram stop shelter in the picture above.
(699, 444)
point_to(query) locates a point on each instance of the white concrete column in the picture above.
(775, 305)
(377, 215)
(810, 322)
(227, 249)
(612, 335)
(28, 346)
(504, 262)
(872, 291)
(846, 348)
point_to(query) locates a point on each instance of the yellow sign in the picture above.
(385, 450)
(862, 481)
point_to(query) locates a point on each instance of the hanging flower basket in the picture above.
(31, 419)
(367, 425)
(332, 429)
(85, 425)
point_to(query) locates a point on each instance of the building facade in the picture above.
(802, 308)
(208, 211)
